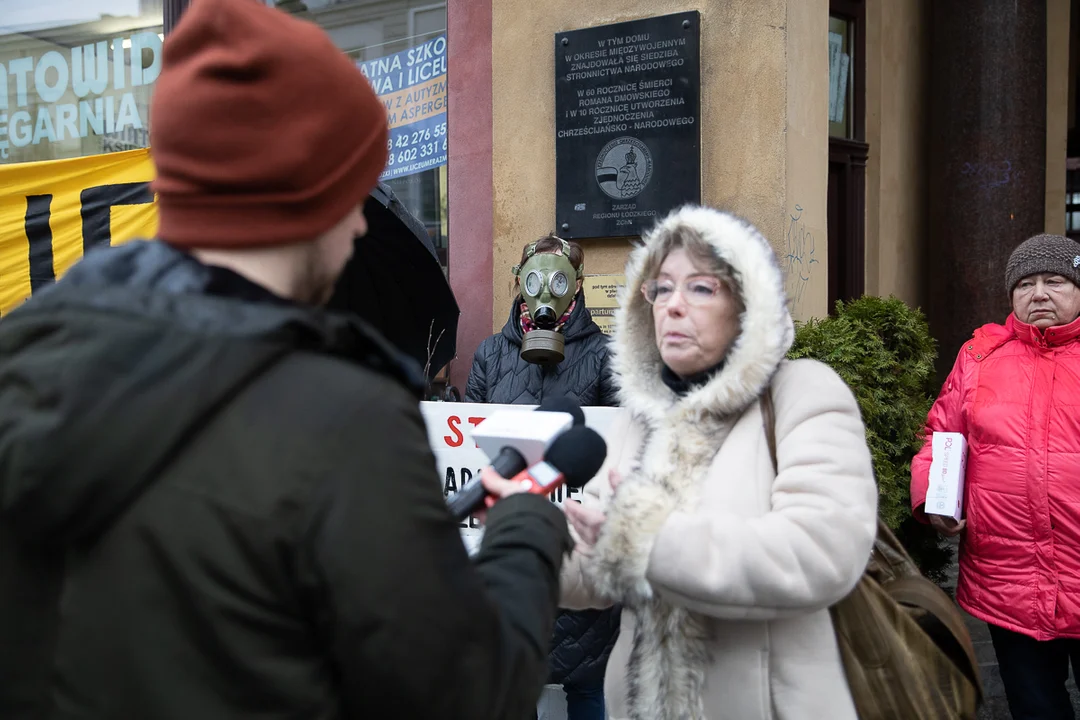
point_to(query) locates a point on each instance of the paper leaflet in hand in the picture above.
(945, 493)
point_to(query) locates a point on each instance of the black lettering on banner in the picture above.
(563, 493)
(450, 484)
(98, 201)
(39, 233)
(466, 477)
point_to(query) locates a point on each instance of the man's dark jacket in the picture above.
(582, 640)
(216, 504)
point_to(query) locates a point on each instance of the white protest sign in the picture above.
(459, 461)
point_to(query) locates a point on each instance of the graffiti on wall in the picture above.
(800, 255)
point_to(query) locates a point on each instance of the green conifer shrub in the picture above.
(883, 350)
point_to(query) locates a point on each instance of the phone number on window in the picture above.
(410, 146)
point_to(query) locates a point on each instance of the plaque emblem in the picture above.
(623, 168)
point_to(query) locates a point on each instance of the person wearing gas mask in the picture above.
(549, 347)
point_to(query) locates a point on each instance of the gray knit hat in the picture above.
(1043, 254)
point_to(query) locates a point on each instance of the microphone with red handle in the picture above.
(573, 459)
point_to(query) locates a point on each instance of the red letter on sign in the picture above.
(456, 438)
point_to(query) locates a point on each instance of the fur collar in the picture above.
(766, 335)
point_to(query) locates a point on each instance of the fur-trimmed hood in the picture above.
(766, 328)
(671, 651)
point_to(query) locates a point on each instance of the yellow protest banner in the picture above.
(52, 212)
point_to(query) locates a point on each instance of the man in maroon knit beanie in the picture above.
(217, 500)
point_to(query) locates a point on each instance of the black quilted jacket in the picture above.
(499, 375)
(582, 640)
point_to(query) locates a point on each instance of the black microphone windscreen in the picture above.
(578, 454)
(566, 404)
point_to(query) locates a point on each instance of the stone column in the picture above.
(987, 164)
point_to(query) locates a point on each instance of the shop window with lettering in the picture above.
(400, 46)
(76, 76)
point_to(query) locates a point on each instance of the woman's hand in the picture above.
(946, 525)
(588, 521)
(615, 479)
(498, 487)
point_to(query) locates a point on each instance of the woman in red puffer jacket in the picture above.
(1014, 393)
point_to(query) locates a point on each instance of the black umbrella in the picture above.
(395, 283)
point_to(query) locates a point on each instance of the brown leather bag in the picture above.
(906, 651)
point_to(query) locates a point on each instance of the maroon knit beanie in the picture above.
(262, 131)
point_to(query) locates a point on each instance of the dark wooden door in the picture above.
(846, 218)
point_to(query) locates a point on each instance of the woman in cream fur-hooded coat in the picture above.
(725, 568)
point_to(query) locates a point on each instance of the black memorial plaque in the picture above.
(627, 124)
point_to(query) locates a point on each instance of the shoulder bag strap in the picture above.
(768, 416)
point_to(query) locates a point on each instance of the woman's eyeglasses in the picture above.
(696, 291)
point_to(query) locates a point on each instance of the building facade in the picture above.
(889, 147)
(867, 200)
